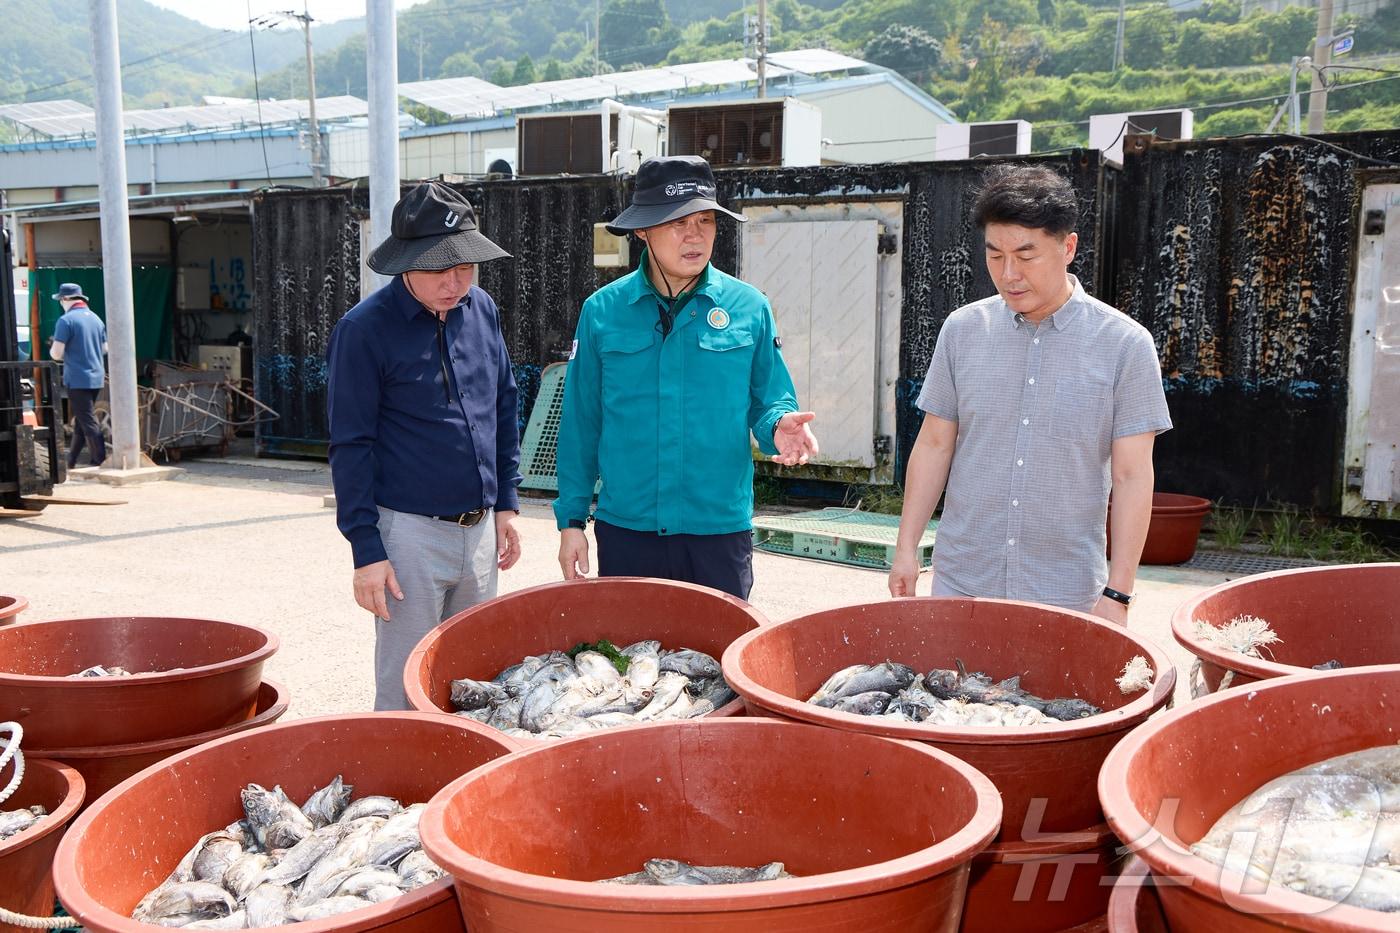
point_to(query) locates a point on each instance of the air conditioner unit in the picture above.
(970, 140)
(777, 131)
(611, 138)
(1107, 131)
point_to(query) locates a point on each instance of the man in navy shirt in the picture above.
(80, 342)
(425, 447)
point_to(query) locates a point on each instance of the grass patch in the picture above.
(1231, 526)
(886, 500)
(767, 490)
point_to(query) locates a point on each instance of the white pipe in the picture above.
(382, 61)
(116, 234)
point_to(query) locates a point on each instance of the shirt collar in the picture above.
(640, 286)
(1064, 316)
(409, 306)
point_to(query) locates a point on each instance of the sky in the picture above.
(234, 14)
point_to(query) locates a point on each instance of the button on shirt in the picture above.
(403, 434)
(666, 422)
(1038, 408)
(82, 334)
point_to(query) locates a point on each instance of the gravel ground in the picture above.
(251, 541)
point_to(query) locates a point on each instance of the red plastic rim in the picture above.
(1183, 622)
(1050, 845)
(925, 863)
(1169, 857)
(1114, 720)
(56, 820)
(11, 606)
(269, 647)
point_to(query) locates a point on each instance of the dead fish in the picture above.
(185, 902)
(329, 907)
(284, 834)
(643, 670)
(977, 687)
(870, 703)
(238, 920)
(536, 709)
(373, 805)
(1332, 665)
(98, 670)
(694, 664)
(714, 689)
(669, 685)
(245, 874)
(1357, 885)
(641, 649)
(263, 807)
(305, 855)
(13, 822)
(888, 677)
(396, 838)
(468, 694)
(351, 853)
(597, 666)
(667, 871)
(268, 905)
(217, 851)
(325, 805)
(1068, 709)
(363, 881)
(418, 869)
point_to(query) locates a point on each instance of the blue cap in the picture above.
(69, 290)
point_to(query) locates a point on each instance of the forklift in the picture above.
(32, 455)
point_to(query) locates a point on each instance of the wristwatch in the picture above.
(1124, 598)
(578, 523)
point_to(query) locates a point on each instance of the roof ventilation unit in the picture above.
(1109, 131)
(778, 131)
(613, 137)
(970, 140)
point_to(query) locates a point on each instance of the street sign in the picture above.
(1343, 45)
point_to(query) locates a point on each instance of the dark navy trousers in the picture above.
(723, 562)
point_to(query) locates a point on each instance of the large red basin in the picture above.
(1348, 613)
(879, 832)
(26, 883)
(1045, 886)
(1045, 774)
(1134, 906)
(11, 607)
(103, 767)
(221, 667)
(1167, 783)
(486, 639)
(1173, 530)
(170, 805)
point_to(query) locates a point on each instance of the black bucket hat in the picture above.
(668, 189)
(434, 228)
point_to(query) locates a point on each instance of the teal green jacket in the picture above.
(665, 422)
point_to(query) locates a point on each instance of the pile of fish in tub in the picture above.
(594, 686)
(942, 697)
(284, 863)
(14, 822)
(673, 872)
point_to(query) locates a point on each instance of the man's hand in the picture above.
(904, 575)
(370, 582)
(507, 540)
(573, 553)
(795, 442)
(1111, 610)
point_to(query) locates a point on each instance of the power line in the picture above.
(257, 93)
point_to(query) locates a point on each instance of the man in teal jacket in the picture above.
(673, 366)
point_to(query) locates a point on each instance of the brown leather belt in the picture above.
(465, 519)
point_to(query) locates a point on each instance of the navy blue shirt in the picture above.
(401, 435)
(82, 334)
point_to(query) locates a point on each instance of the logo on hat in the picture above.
(718, 318)
(452, 218)
(671, 191)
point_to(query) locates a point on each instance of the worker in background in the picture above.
(673, 365)
(424, 445)
(1038, 401)
(80, 343)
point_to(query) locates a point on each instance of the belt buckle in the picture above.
(469, 519)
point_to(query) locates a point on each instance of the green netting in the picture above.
(150, 295)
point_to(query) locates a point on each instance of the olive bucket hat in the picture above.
(668, 189)
(433, 228)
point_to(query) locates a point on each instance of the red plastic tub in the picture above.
(169, 806)
(1347, 613)
(1134, 906)
(1167, 783)
(26, 883)
(1045, 774)
(1174, 529)
(1045, 886)
(103, 767)
(11, 607)
(486, 639)
(217, 685)
(879, 833)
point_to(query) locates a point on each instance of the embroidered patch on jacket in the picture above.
(778, 342)
(718, 318)
(573, 350)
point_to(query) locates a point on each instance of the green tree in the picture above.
(552, 71)
(501, 75)
(460, 65)
(906, 49)
(524, 72)
(635, 31)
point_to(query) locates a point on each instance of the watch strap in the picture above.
(1118, 596)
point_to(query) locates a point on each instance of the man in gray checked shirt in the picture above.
(1038, 401)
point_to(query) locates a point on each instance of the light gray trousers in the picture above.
(442, 569)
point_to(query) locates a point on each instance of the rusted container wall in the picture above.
(306, 275)
(311, 244)
(1238, 255)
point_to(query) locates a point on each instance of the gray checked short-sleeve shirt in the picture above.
(1038, 408)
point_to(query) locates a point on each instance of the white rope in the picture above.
(38, 923)
(16, 732)
(1200, 688)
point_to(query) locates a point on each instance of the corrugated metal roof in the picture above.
(66, 118)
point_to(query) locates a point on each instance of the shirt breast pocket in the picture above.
(727, 351)
(624, 356)
(1080, 410)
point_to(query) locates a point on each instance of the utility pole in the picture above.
(761, 48)
(1118, 36)
(318, 165)
(1322, 56)
(597, 32)
(382, 62)
(116, 234)
(1295, 122)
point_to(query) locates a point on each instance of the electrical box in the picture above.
(232, 361)
(610, 251)
(1107, 131)
(778, 131)
(192, 287)
(970, 140)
